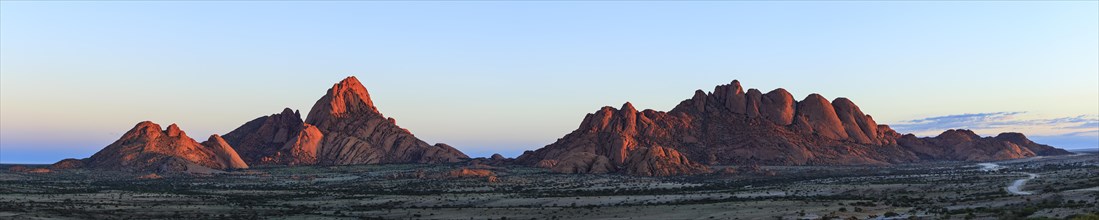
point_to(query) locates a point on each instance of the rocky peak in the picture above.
(731, 96)
(778, 106)
(215, 138)
(1013, 137)
(820, 117)
(860, 127)
(348, 97)
(733, 88)
(287, 118)
(753, 102)
(628, 108)
(287, 112)
(729, 127)
(143, 129)
(598, 120)
(1023, 141)
(698, 100)
(959, 135)
(147, 148)
(355, 132)
(173, 131)
(264, 140)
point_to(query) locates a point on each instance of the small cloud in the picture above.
(1090, 133)
(992, 123)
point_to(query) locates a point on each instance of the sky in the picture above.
(505, 77)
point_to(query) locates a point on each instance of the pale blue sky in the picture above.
(505, 77)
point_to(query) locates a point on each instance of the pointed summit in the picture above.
(288, 111)
(348, 97)
(628, 107)
(173, 131)
(342, 128)
(354, 132)
(143, 129)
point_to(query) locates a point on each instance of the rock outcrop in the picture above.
(224, 153)
(355, 132)
(733, 127)
(70, 163)
(148, 148)
(461, 173)
(343, 127)
(660, 161)
(1023, 141)
(965, 145)
(281, 138)
(614, 140)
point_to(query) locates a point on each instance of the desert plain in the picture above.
(1063, 187)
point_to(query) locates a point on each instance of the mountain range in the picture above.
(732, 127)
(727, 126)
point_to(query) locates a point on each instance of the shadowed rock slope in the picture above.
(281, 138)
(730, 126)
(965, 145)
(148, 148)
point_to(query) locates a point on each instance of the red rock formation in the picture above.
(467, 173)
(18, 169)
(755, 99)
(965, 145)
(464, 173)
(660, 161)
(613, 140)
(778, 107)
(730, 127)
(859, 127)
(224, 153)
(148, 148)
(343, 127)
(70, 163)
(354, 132)
(281, 138)
(1023, 141)
(819, 117)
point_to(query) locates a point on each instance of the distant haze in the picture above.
(488, 77)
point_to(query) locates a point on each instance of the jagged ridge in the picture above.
(733, 127)
(148, 148)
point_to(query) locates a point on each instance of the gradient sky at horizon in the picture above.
(506, 77)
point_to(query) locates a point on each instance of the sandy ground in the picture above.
(1017, 185)
(1059, 187)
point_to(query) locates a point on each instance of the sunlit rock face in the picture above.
(224, 153)
(731, 127)
(148, 148)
